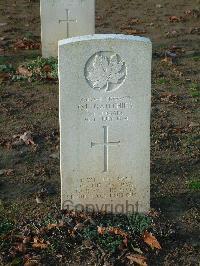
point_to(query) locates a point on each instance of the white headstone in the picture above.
(105, 90)
(61, 19)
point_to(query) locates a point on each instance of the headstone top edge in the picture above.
(119, 37)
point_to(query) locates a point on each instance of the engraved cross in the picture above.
(106, 145)
(67, 20)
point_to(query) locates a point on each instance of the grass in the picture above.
(196, 58)
(5, 226)
(194, 90)
(6, 68)
(162, 81)
(194, 185)
(63, 238)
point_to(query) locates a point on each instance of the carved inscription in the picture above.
(105, 71)
(106, 109)
(104, 188)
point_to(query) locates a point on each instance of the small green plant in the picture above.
(115, 227)
(38, 69)
(194, 90)
(139, 222)
(194, 185)
(196, 58)
(107, 241)
(162, 81)
(5, 227)
(6, 68)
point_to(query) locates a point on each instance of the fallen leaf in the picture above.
(27, 138)
(174, 19)
(52, 226)
(154, 213)
(79, 227)
(188, 12)
(58, 225)
(31, 262)
(40, 243)
(38, 200)
(134, 31)
(71, 232)
(26, 44)
(4, 76)
(133, 21)
(101, 230)
(139, 259)
(20, 247)
(47, 68)
(9, 172)
(151, 240)
(117, 231)
(23, 71)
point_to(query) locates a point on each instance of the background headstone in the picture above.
(61, 19)
(105, 90)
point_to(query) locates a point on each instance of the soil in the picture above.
(173, 27)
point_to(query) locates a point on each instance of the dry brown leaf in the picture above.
(71, 232)
(134, 31)
(26, 44)
(176, 19)
(79, 227)
(52, 226)
(47, 68)
(58, 225)
(101, 230)
(20, 247)
(27, 138)
(26, 240)
(151, 240)
(117, 231)
(40, 243)
(4, 76)
(24, 71)
(31, 262)
(9, 172)
(139, 259)
(134, 21)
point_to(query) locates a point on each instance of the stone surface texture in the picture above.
(61, 19)
(105, 101)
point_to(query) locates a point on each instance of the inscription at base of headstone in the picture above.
(105, 100)
(62, 19)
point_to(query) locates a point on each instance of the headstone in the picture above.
(61, 19)
(105, 90)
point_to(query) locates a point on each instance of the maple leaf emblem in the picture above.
(104, 71)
